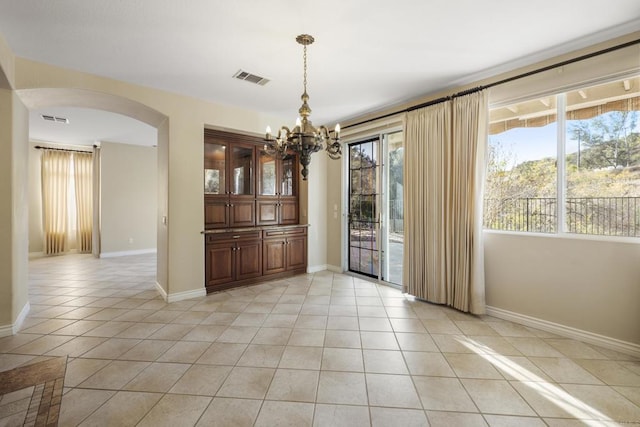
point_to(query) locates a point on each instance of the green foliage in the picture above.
(602, 179)
(609, 140)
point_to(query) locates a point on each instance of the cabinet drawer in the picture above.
(242, 235)
(300, 231)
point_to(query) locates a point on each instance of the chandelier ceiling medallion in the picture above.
(304, 138)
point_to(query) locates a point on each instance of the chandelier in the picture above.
(304, 138)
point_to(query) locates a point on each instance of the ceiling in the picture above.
(368, 55)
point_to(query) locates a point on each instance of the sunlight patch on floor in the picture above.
(551, 392)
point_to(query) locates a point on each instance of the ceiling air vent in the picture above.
(251, 78)
(55, 119)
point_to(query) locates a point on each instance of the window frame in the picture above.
(561, 176)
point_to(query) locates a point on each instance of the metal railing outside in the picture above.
(605, 216)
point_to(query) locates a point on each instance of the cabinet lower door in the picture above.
(249, 260)
(267, 212)
(273, 252)
(243, 213)
(216, 214)
(219, 264)
(296, 253)
(288, 212)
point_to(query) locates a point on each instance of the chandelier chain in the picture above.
(304, 56)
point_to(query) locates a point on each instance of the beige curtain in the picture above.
(444, 166)
(83, 177)
(427, 135)
(55, 169)
(466, 157)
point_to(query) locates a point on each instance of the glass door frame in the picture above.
(381, 230)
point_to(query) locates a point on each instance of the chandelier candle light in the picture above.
(304, 138)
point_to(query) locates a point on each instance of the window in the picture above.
(596, 190)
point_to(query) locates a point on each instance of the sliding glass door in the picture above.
(375, 216)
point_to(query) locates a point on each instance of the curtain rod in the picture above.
(39, 147)
(499, 82)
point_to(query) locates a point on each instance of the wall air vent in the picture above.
(251, 78)
(54, 119)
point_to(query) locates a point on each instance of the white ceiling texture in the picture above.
(368, 54)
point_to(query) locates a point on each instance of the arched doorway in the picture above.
(40, 98)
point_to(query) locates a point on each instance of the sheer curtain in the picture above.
(444, 165)
(55, 169)
(83, 178)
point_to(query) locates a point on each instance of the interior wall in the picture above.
(591, 285)
(316, 212)
(13, 211)
(162, 254)
(333, 211)
(129, 181)
(183, 276)
(6, 244)
(35, 201)
(20, 210)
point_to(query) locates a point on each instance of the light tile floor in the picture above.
(323, 349)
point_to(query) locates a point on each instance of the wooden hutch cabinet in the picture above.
(251, 219)
(229, 196)
(277, 201)
(284, 250)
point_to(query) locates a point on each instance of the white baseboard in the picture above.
(161, 291)
(6, 330)
(179, 296)
(335, 269)
(567, 331)
(316, 268)
(13, 329)
(20, 320)
(128, 253)
(324, 267)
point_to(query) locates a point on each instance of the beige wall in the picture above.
(20, 211)
(35, 201)
(591, 285)
(162, 202)
(128, 197)
(334, 225)
(315, 210)
(181, 266)
(13, 210)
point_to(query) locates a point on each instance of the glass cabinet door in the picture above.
(242, 170)
(215, 168)
(266, 174)
(287, 179)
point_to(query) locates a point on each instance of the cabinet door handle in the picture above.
(236, 237)
(231, 204)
